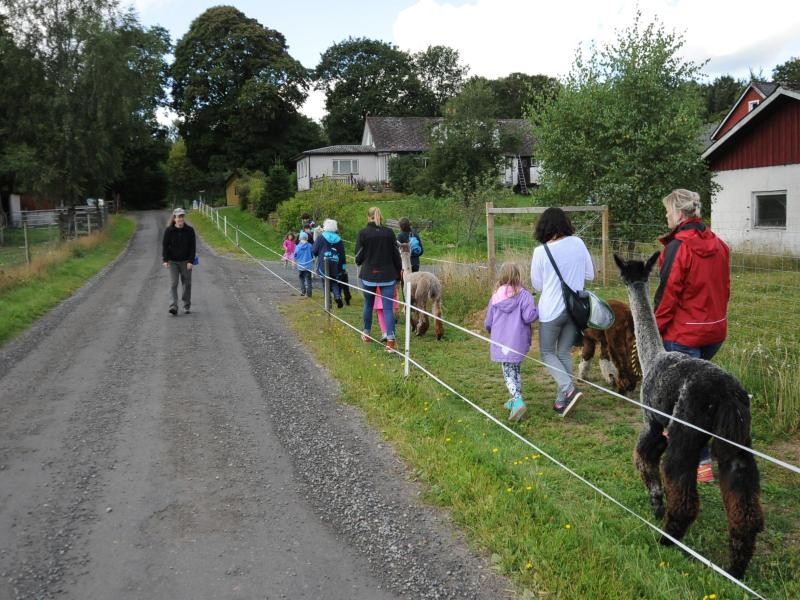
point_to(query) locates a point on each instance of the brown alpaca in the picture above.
(618, 343)
(425, 288)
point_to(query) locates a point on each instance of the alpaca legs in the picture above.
(680, 480)
(438, 325)
(587, 353)
(646, 457)
(740, 493)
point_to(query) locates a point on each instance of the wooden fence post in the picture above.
(490, 249)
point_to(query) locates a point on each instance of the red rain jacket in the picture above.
(692, 300)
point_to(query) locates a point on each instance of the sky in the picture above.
(498, 37)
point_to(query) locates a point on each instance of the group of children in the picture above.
(509, 316)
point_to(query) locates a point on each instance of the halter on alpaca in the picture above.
(701, 393)
(425, 288)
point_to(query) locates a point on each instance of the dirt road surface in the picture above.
(201, 456)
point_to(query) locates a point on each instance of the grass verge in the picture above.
(28, 292)
(551, 534)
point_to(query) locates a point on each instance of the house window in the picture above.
(302, 168)
(345, 167)
(751, 105)
(770, 209)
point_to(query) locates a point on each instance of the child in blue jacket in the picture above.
(305, 263)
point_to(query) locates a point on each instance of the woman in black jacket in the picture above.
(178, 248)
(380, 267)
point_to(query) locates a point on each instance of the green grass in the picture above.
(35, 293)
(551, 534)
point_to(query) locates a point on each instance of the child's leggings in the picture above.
(513, 378)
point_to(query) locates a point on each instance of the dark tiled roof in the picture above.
(410, 134)
(765, 87)
(342, 149)
(401, 134)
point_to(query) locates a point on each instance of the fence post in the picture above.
(490, 255)
(217, 215)
(88, 223)
(604, 234)
(236, 228)
(327, 287)
(27, 246)
(225, 225)
(407, 298)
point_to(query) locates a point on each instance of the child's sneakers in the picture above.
(365, 337)
(517, 409)
(390, 345)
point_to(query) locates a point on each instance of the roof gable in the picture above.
(757, 91)
(752, 120)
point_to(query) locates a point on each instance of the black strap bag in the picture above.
(579, 304)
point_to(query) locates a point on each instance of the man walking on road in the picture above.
(178, 249)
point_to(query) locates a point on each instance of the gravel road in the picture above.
(201, 456)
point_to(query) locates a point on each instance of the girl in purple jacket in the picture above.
(509, 316)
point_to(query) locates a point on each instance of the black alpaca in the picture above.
(698, 392)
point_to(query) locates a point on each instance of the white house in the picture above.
(385, 137)
(755, 158)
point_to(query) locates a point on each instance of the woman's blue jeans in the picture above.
(387, 295)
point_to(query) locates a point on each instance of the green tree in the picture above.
(788, 73)
(625, 129)
(515, 93)
(185, 180)
(441, 76)
(365, 77)
(277, 189)
(720, 95)
(101, 77)
(237, 90)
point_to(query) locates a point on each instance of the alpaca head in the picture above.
(633, 271)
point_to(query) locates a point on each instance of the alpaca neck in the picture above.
(648, 339)
(405, 259)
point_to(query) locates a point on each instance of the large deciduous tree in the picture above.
(720, 95)
(97, 77)
(237, 90)
(364, 77)
(626, 128)
(441, 76)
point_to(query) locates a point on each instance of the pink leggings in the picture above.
(379, 311)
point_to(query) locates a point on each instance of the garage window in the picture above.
(770, 209)
(345, 167)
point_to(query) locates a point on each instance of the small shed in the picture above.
(232, 189)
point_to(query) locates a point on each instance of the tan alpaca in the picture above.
(425, 288)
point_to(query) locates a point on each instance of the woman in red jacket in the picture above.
(691, 303)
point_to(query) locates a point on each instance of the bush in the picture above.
(403, 170)
(277, 189)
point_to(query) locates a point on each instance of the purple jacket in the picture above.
(508, 320)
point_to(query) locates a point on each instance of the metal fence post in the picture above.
(407, 298)
(327, 288)
(225, 225)
(236, 228)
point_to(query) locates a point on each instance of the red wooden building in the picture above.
(755, 157)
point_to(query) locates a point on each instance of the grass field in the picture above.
(27, 292)
(552, 534)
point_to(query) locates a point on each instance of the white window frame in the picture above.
(752, 104)
(352, 167)
(756, 197)
(302, 168)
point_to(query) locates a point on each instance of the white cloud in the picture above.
(497, 37)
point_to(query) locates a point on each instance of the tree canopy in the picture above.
(626, 128)
(93, 77)
(238, 90)
(788, 73)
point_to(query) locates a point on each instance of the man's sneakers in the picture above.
(705, 473)
(568, 403)
(186, 309)
(173, 310)
(339, 302)
(516, 408)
